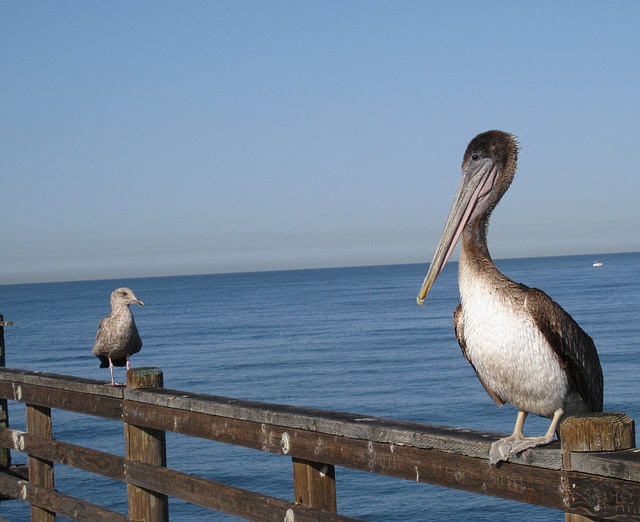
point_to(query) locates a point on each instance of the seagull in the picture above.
(117, 336)
(525, 349)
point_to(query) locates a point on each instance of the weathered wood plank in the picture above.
(603, 498)
(60, 503)
(106, 406)
(515, 482)
(93, 461)
(222, 497)
(5, 455)
(378, 429)
(61, 382)
(623, 465)
(40, 470)
(171, 417)
(449, 439)
(600, 431)
(222, 429)
(3, 323)
(114, 467)
(337, 423)
(20, 471)
(314, 485)
(510, 480)
(143, 444)
(450, 457)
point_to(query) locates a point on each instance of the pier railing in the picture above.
(596, 473)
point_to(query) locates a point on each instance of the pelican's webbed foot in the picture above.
(512, 445)
(517, 443)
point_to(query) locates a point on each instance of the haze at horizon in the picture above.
(172, 139)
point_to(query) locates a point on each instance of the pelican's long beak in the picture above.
(477, 180)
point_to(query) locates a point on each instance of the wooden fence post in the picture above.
(5, 456)
(146, 445)
(593, 432)
(40, 470)
(314, 485)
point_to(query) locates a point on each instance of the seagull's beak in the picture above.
(476, 182)
(139, 301)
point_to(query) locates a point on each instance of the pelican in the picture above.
(118, 336)
(525, 349)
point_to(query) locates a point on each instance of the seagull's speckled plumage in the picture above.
(118, 336)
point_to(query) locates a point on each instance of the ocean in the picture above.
(347, 339)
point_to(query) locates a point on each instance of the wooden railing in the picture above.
(572, 478)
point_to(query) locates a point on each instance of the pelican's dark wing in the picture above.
(573, 346)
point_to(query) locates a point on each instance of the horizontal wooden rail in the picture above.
(206, 493)
(50, 499)
(224, 498)
(86, 459)
(606, 485)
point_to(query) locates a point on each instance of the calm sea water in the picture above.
(349, 339)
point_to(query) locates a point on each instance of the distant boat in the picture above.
(597, 263)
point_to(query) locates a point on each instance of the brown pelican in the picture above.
(117, 336)
(525, 349)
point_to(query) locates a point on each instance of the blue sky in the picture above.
(159, 138)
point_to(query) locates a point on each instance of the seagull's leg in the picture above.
(517, 443)
(113, 380)
(127, 363)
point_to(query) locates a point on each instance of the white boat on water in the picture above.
(597, 263)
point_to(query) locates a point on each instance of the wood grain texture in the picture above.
(603, 484)
(65, 505)
(226, 499)
(593, 499)
(38, 420)
(79, 457)
(148, 445)
(5, 455)
(314, 485)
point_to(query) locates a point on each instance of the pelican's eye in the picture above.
(475, 156)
